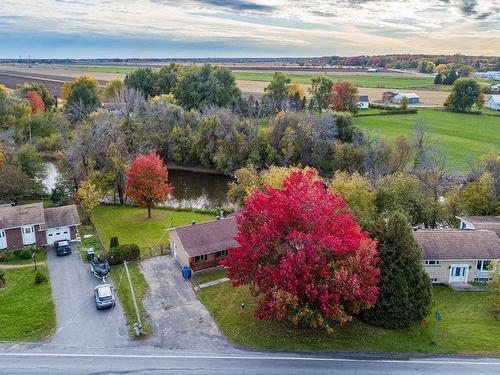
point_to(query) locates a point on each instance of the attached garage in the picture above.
(56, 234)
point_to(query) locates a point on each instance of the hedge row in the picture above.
(393, 112)
(127, 252)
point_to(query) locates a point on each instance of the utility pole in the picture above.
(138, 323)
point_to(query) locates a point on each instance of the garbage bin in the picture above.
(186, 272)
(90, 254)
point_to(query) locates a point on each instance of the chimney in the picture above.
(193, 222)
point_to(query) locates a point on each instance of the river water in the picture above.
(197, 190)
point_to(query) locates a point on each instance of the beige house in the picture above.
(203, 245)
(458, 256)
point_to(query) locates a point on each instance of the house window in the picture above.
(434, 280)
(200, 258)
(482, 265)
(432, 262)
(481, 279)
(222, 254)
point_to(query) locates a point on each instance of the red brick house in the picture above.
(203, 245)
(32, 224)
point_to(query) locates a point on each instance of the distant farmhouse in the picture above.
(491, 74)
(461, 255)
(495, 87)
(396, 97)
(363, 102)
(493, 102)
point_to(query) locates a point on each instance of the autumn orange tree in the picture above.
(344, 97)
(147, 181)
(303, 255)
(36, 101)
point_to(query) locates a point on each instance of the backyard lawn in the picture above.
(141, 287)
(27, 311)
(466, 327)
(463, 138)
(131, 224)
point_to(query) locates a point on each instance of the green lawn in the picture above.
(103, 68)
(206, 276)
(27, 311)
(47, 203)
(462, 137)
(467, 327)
(141, 287)
(13, 258)
(88, 242)
(132, 225)
(362, 80)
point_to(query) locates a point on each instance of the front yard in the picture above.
(131, 224)
(467, 327)
(27, 311)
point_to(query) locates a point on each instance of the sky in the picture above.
(246, 28)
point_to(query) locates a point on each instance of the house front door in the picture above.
(28, 235)
(3, 239)
(458, 273)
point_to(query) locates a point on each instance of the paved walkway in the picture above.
(465, 287)
(179, 319)
(211, 283)
(12, 266)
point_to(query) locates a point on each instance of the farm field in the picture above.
(467, 327)
(463, 138)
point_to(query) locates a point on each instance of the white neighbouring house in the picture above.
(363, 102)
(493, 102)
(412, 98)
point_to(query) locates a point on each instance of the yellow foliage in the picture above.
(295, 88)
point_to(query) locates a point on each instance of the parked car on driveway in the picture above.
(62, 247)
(100, 268)
(104, 296)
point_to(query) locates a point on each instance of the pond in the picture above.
(197, 190)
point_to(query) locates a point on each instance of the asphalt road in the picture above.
(265, 364)
(79, 323)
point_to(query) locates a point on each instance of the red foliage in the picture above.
(36, 101)
(343, 96)
(147, 181)
(301, 249)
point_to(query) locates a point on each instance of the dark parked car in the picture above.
(100, 268)
(104, 296)
(62, 247)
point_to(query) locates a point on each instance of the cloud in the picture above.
(229, 5)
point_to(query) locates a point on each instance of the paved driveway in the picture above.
(79, 323)
(180, 321)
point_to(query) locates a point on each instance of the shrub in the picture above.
(25, 253)
(40, 278)
(128, 252)
(113, 242)
(17, 253)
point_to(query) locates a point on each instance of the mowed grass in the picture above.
(27, 311)
(462, 138)
(141, 287)
(131, 224)
(467, 327)
(362, 80)
(210, 275)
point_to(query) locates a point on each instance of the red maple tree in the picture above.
(147, 181)
(344, 96)
(302, 252)
(36, 101)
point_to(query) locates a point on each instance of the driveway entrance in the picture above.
(79, 324)
(179, 319)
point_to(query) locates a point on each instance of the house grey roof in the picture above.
(17, 216)
(409, 95)
(484, 222)
(363, 98)
(61, 216)
(458, 244)
(208, 237)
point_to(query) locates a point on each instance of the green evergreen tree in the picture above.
(405, 289)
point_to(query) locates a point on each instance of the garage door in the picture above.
(56, 234)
